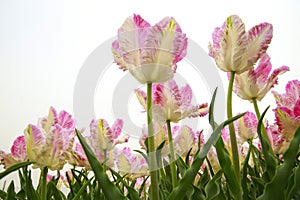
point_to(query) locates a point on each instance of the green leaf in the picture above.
(110, 190)
(276, 188)
(296, 184)
(132, 193)
(53, 191)
(182, 166)
(3, 194)
(11, 194)
(244, 180)
(14, 168)
(81, 190)
(30, 191)
(186, 182)
(270, 162)
(197, 194)
(213, 187)
(227, 167)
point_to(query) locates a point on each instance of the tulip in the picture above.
(236, 50)
(132, 164)
(149, 53)
(17, 153)
(171, 103)
(104, 138)
(255, 83)
(49, 143)
(287, 112)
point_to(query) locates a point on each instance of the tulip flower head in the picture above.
(185, 139)
(104, 138)
(132, 163)
(236, 50)
(17, 153)
(171, 103)
(287, 112)
(49, 143)
(149, 53)
(255, 83)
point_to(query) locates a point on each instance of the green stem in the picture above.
(44, 183)
(234, 148)
(151, 147)
(264, 132)
(172, 156)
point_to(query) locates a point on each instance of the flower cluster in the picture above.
(245, 157)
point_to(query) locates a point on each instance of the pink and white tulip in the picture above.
(171, 103)
(287, 112)
(49, 143)
(149, 53)
(128, 162)
(256, 83)
(17, 153)
(246, 127)
(104, 138)
(236, 50)
(185, 139)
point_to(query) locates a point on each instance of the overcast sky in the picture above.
(43, 45)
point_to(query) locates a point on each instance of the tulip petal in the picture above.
(142, 97)
(18, 150)
(259, 38)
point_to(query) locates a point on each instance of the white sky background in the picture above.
(44, 44)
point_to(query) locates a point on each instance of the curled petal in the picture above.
(259, 38)
(199, 110)
(142, 97)
(18, 150)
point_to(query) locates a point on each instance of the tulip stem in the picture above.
(172, 156)
(43, 185)
(264, 132)
(151, 147)
(234, 148)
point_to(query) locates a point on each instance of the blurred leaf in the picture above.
(30, 191)
(14, 168)
(198, 194)
(276, 188)
(53, 191)
(110, 190)
(143, 154)
(182, 166)
(294, 190)
(132, 193)
(11, 194)
(3, 194)
(213, 187)
(81, 190)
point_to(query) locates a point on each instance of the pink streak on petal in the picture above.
(18, 150)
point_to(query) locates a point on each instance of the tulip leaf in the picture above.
(81, 190)
(14, 168)
(270, 162)
(111, 192)
(294, 190)
(30, 191)
(277, 187)
(186, 182)
(213, 188)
